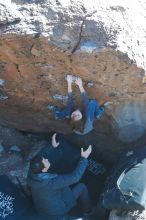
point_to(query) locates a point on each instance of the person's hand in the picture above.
(54, 143)
(78, 81)
(87, 152)
(69, 78)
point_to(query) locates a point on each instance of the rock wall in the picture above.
(42, 41)
(135, 215)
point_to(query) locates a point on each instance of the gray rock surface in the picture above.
(82, 25)
(16, 150)
(8, 15)
(135, 215)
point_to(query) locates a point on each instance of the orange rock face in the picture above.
(42, 41)
(32, 72)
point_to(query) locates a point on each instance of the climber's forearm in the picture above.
(69, 87)
(81, 88)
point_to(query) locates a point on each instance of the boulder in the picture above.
(104, 43)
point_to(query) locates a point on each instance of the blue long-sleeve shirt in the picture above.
(90, 110)
(88, 125)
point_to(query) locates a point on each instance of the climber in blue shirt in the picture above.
(90, 111)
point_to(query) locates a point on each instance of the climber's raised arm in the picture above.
(84, 95)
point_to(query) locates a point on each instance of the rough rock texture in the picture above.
(15, 163)
(136, 215)
(104, 43)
